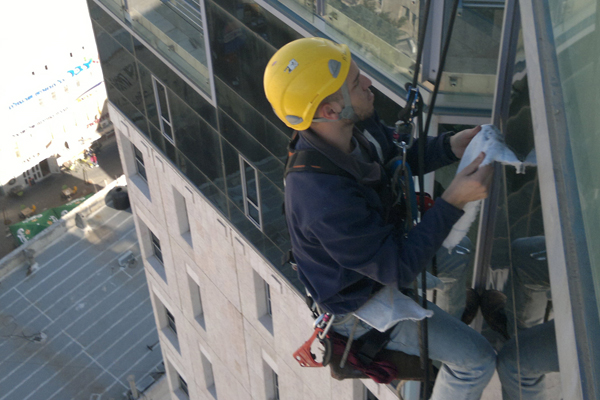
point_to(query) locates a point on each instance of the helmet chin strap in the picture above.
(347, 111)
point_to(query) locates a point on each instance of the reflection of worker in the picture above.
(525, 359)
(346, 250)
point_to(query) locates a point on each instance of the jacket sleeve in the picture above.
(354, 235)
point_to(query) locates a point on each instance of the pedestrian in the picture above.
(94, 159)
(347, 250)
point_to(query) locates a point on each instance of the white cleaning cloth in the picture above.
(491, 142)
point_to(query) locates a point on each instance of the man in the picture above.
(347, 251)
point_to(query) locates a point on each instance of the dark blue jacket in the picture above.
(344, 248)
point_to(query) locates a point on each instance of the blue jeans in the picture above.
(468, 360)
(524, 360)
(537, 356)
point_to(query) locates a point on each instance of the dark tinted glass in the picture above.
(274, 225)
(239, 57)
(133, 113)
(111, 26)
(148, 93)
(254, 151)
(119, 68)
(196, 140)
(273, 137)
(175, 83)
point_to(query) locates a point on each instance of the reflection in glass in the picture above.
(518, 307)
(472, 58)
(173, 28)
(576, 34)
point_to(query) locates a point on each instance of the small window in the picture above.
(139, 163)
(171, 321)
(264, 309)
(276, 385)
(156, 247)
(271, 382)
(209, 377)
(183, 220)
(183, 385)
(251, 192)
(164, 111)
(268, 299)
(196, 297)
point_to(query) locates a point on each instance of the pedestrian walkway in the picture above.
(47, 193)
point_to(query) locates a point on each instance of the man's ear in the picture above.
(330, 111)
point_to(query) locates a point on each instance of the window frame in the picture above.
(156, 249)
(247, 201)
(183, 386)
(138, 158)
(159, 109)
(171, 321)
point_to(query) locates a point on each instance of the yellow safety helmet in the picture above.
(303, 73)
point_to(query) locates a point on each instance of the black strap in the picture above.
(371, 343)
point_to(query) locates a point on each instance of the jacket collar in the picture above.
(365, 173)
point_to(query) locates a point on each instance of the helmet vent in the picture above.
(293, 119)
(334, 68)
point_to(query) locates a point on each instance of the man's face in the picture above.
(361, 96)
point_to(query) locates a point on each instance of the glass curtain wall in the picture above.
(385, 34)
(204, 143)
(172, 27)
(577, 42)
(516, 302)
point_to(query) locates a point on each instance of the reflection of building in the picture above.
(204, 155)
(54, 99)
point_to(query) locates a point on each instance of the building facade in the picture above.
(204, 155)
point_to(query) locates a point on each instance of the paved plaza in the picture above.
(78, 326)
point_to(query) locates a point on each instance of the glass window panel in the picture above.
(274, 224)
(261, 22)
(233, 174)
(254, 214)
(148, 93)
(162, 100)
(131, 112)
(520, 322)
(175, 83)
(251, 183)
(254, 151)
(111, 26)
(475, 40)
(238, 53)
(576, 35)
(171, 28)
(384, 32)
(171, 321)
(197, 140)
(274, 136)
(118, 68)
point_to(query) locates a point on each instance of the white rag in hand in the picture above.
(491, 142)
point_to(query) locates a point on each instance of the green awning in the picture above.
(27, 229)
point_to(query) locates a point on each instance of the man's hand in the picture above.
(470, 184)
(461, 140)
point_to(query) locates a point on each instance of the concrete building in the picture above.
(204, 156)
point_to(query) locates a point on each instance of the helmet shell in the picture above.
(303, 73)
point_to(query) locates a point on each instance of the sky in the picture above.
(35, 34)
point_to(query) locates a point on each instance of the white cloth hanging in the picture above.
(491, 142)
